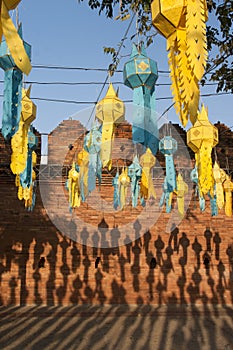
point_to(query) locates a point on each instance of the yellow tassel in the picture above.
(13, 40)
(20, 192)
(228, 189)
(182, 189)
(196, 36)
(205, 171)
(183, 25)
(219, 177)
(124, 182)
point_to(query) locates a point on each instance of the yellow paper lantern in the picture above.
(109, 111)
(147, 161)
(28, 107)
(228, 189)
(124, 181)
(219, 177)
(168, 15)
(73, 188)
(201, 138)
(182, 22)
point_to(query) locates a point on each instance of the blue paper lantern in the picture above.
(135, 173)
(92, 144)
(140, 74)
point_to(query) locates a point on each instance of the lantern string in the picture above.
(137, 30)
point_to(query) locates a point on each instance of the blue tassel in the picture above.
(145, 128)
(135, 173)
(92, 145)
(11, 102)
(194, 178)
(170, 173)
(166, 196)
(213, 204)
(116, 199)
(26, 175)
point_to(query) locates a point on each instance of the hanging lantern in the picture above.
(19, 141)
(26, 175)
(13, 50)
(219, 177)
(182, 190)
(194, 178)
(213, 199)
(13, 77)
(92, 144)
(135, 173)
(168, 146)
(182, 22)
(109, 111)
(123, 181)
(201, 138)
(166, 197)
(140, 74)
(83, 163)
(147, 161)
(28, 112)
(228, 189)
(73, 187)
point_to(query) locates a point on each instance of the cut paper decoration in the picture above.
(13, 77)
(140, 74)
(13, 44)
(135, 173)
(92, 144)
(201, 138)
(182, 23)
(147, 162)
(109, 111)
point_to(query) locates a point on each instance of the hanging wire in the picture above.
(116, 56)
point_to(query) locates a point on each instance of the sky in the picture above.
(70, 34)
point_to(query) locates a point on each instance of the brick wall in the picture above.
(125, 273)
